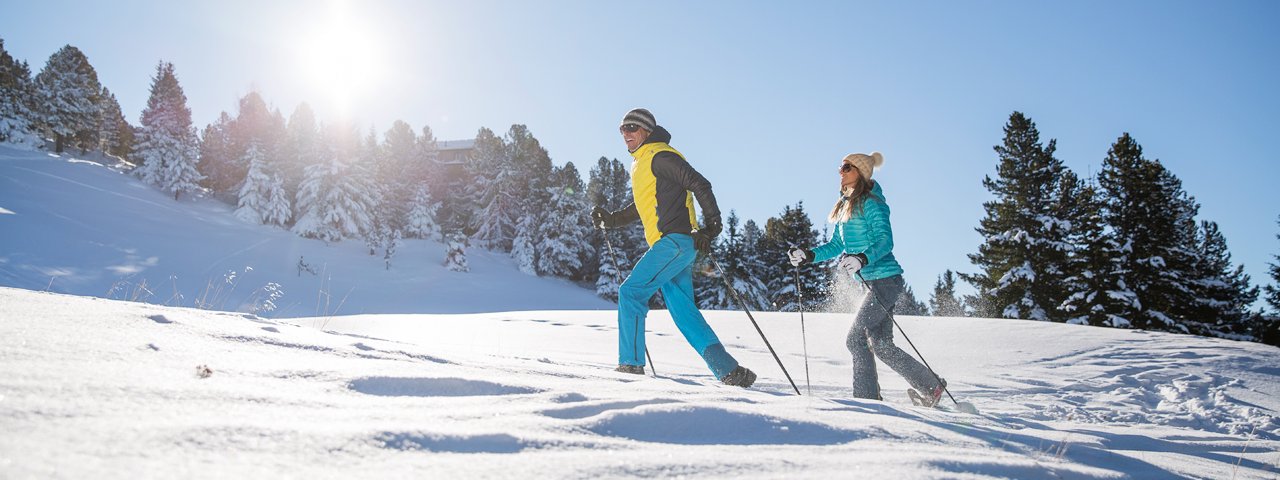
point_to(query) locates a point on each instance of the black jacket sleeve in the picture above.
(628, 214)
(671, 166)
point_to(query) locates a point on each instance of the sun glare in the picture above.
(341, 58)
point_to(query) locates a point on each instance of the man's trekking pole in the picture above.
(617, 274)
(804, 340)
(743, 304)
(967, 407)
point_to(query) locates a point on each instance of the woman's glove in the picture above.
(799, 255)
(852, 264)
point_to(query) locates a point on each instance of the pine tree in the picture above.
(609, 188)
(531, 183)
(456, 253)
(1026, 237)
(731, 251)
(1153, 223)
(215, 151)
(400, 172)
(1097, 293)
(17, 97)
(1273, 290)
(422, 216)
(262, 196)
(792, 228)
(168, 149)
(493, 190)
(337, 196)
(115, 135)
(907, 304)
(753, 266)
(1222, 294)
(524, 248)
(944, 303)
(255, 125)
(563, 246)
(301, 149)
(67, 92)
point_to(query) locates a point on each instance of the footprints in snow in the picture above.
(433, 387)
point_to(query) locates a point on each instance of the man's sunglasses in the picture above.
(629, 128)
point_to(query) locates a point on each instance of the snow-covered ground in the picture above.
(492, 384)
(93, 388)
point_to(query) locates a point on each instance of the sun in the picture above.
(341, 58)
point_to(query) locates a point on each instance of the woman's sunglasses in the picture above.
(846, 168)
(629, 128)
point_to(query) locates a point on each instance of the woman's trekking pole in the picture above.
(804, 340)
(725, 277)
(617, 274)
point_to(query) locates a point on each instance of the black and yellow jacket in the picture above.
(663, 186)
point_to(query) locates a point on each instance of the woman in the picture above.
(863, 240)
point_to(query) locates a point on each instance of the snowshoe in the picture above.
(929, 399)
(632, 369)
(739, 377)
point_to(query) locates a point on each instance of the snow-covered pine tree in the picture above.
(17, 97)
(301, 149)
(1222, 293)
(262, 197)
(115, 135)
(524, 248)
(753, 264)
(944, 303)
(1153, 222)
(1273, 290)
(606, 183)
(168, 148)
(67, 92)
(254, 125)
(215, 151)
(422, 216)
(908, 304)
(732, 252)
(532, 187)
(493, 190)
(399, 171)
(369, 158)
(1026, 239)
(1267, 327)
(792, 228)
(564, 246)
(456, 253)
(1097, 294)
(336, 197)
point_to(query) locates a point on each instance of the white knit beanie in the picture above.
(866, 164)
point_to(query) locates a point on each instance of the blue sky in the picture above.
(763, 97)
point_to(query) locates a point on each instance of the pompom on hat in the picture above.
(866, 164)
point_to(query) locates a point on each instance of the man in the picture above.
(663, 186)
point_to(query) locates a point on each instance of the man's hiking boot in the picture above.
(739, 377)
(632, 369)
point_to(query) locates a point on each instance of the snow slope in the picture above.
(75, 226)
(94, 388)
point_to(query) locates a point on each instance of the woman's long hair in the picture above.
(851, 200)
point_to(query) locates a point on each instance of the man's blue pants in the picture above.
(668, 265)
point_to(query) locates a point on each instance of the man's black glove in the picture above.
(705, 236)
(602, 218)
